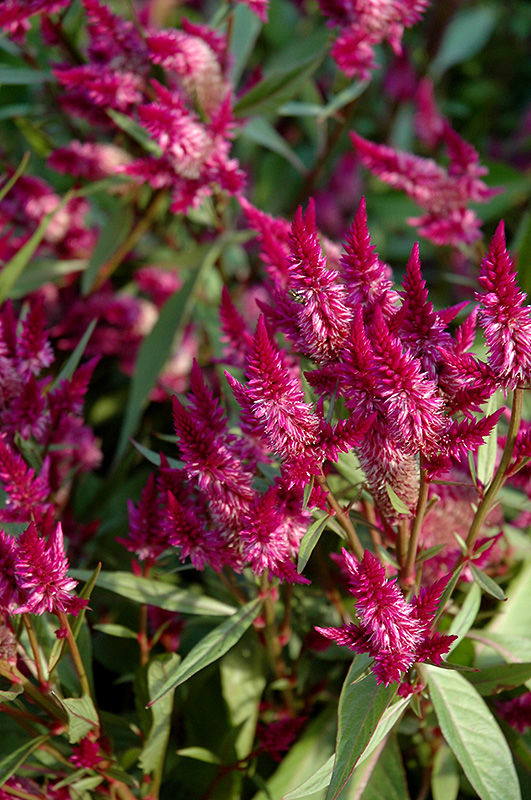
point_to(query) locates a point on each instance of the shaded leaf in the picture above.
(157, 346)
(466, 616)
(199, 754)
(112, 629)
(277, 88)
(211, 647)
(117, 226)
(500, 678)
(361, 706)
(260, 131)
(10, 764)
(16, 175)
(473, 734)
(152, 756)
(23, 76)
(72, 362)
(466, 34)
(157, 593)
(309, 541)
(242, 684)
(445, 775)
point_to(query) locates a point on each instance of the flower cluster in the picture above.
(395, 633)
(363, 25)
(34, 579)
(187, 121)
(444, 192)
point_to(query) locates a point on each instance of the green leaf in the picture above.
(246, 27)
(342, 99)
(16, 175)
(156, 593)
(468, 612)
(154, 458)
(276, 89)
(72, 362)
(45, 271)
(152, 756)
(386, 780)
(23, 76)
(260, 131)
(361, 706)
(156, 347)
(430, 552)
(10, 764)
(242, 685)
(487, 584)
(118, 225)
(464, 37)
(309, 540)
(473, 735)
(310, 751)
(450, 586)
(516, 616)
(214, 645)
(500, 678)
(445, 775)
(319, 780)
(522, 244)
(8, 695)
(135, 131)
(82, 716)
(199, 754)
(398, 504)
(112, 629)
(12, 271)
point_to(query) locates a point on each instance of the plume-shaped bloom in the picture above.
(444, 193)
(417, 325)
(14, 13)
(363, 25)
(367, 279)
(516, 711)
(40, 573)
(318, 309)
(149, 535)
(27, 493)
(506, 322)
(395, 633)
(274, 400)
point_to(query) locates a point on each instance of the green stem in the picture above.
(401, 543)
(134, 237)
(499, 477)
(35, 694)
(416, 528)
(35, 648)
(74, 652)
(343, 519)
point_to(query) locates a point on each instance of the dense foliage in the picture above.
(264, 456)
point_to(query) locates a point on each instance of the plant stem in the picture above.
(273, 644)
(416, 528)
(401, 543)
(74, 652)
(35, 648)
(499, 476)
(35, 694)
(343, 519)
(134, 237)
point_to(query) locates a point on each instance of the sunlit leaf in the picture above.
(309, 541)
(154, 750)
(473, 735)
(82, 717)
(156, 593)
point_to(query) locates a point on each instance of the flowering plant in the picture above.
(264, 458)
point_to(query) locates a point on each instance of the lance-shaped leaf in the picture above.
(157, 593)
(10, 764)
(214, 645)
(464, 620)
(82, 717)
(473, 734)
(152, 756)
(500, 678)
(361, 707)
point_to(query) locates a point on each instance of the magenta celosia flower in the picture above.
(395, 633)
(314, 314)
(363, 25)
(368, 280)
(237, 338)
(85, 755)
(27, 493)
(91, 160)
(516, 711)
(40, 573)
(14, 13)
(9, 592)
(444, 193)
(505, 321)
(274, 399)
(148, 531)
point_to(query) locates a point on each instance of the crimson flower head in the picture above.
(40, 573)
(395, 633)
(505, 321)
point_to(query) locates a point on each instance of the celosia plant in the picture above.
(264, 459)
